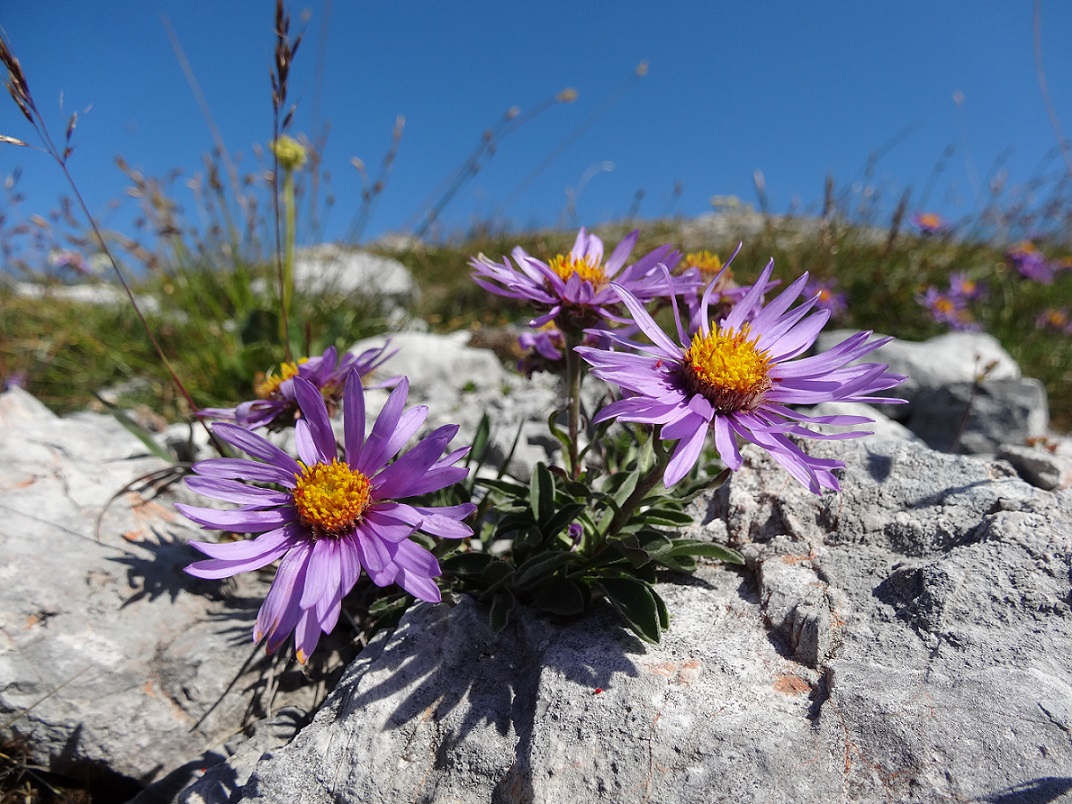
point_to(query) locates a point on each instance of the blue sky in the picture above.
(793, 89)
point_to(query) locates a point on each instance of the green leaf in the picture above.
(542, 493)
(495, 573)
(558, 432)
(663, 516)
(696, 547)
(562, 597)
(467, 563)
(540, 567)
(664, 612)
(562, 518)
(531, 538)
(480, 442)
(382, 606)
(501, 606)
(677, 563)
(507, 487)
(136, 430)
(637, 604)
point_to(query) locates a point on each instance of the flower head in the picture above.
(1031, 263)
(948, 308)
(327, 517)
(735, 379)
(963, 287)
(290, 153)
(827, 296)
(276, 406)
(1055, 319)
(573, 289)
(704, 273)
(543, 348)
(928, 222)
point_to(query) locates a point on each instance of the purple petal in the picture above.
(372, 456)
(354, 421)
(274, 542)
(315, 412)
(242, 469)
(321, 574)
(238, 520)
(685, 456)
(255, 445)
(234, 491)
(280, 611)
(393, 482)
(646, 323)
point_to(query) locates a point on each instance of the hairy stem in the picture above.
(643, 488)
(574, 376)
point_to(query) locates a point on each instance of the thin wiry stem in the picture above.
(640, 71)
(19, 89)
(1045, 90)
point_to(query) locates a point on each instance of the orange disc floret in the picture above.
(331, 497)
(728, 368)
(566, 265)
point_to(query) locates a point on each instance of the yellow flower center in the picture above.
(728, 368)
(944, 306)
(268, 387)
(566, 265)
(331, 497)
(708, 262)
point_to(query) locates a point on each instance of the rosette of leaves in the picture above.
(561, 545)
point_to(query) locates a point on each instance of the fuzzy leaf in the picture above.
(637, 604)
(480, 442)
(542, 493)
(696, 547)
(562, 518)
(562, 597)
(501, 605)
(540, 567)
(467, 563)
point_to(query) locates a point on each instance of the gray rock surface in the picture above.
(330, 268)
(1046, 463)
(964, 392)
(112, 660)
(907, 640)
(955, 357)
(979, 418)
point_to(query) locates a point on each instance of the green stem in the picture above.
(643, 487)
(290, 212)
(573, 400)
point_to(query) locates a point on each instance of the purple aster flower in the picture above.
(543, 350)
(1055, 319)
(961, 287)
(736, 379)
(574, 289)
(1031, 263)
(703, 269)
(276, 406)
(928, 222)
(328, 518)
(948, 309)
(827, 296)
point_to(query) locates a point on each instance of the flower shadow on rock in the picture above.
(1044, 789)
(446, 666)
(158, 572)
